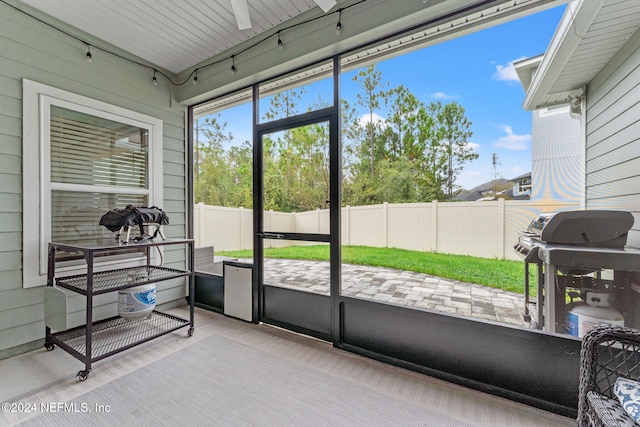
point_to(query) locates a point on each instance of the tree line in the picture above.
(396, 149)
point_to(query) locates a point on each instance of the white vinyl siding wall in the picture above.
(613, 136)
(557, 156)
(32, 50)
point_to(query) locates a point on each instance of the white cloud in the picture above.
(365, 119)
(511, 141)
(474, 146)
(507, 72)
(442, 95)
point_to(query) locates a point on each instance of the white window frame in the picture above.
(37, 101)
(524, 185)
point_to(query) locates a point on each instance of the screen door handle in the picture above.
(271, 235)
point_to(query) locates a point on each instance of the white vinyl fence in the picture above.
(482, 229)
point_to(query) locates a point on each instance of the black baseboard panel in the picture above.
(209, 291)
(302, 312)
(524, 365)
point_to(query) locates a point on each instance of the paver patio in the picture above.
(400, 287)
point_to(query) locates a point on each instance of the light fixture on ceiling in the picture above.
(243, 19)
(575, 103)
(154, 80)
(339, 24)
(280, 43)
(195, 78)
(89, 57)
(575, 106)
(233, 64)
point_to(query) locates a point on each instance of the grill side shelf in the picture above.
(113, 280)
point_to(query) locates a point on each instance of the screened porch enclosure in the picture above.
(304, 192)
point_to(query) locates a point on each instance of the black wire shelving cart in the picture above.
(96, 340)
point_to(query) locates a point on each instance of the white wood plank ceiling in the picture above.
(174, 35)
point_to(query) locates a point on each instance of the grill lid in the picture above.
(595, 228)
(538, 223)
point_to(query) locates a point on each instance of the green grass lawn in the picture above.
(501, 274)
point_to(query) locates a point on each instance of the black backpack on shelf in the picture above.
(121, 221)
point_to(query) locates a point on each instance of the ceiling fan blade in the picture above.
(325, 5)
(241, 12)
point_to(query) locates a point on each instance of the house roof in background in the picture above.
(588, 36)
(487, 186)
(525, 69)
(477, 193)
(518, 178)
(468, 196)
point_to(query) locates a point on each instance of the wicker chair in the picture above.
(608, 352)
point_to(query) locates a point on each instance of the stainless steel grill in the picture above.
(575, 252)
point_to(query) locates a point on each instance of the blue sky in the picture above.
(475, 71)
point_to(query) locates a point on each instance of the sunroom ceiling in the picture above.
(174, 35)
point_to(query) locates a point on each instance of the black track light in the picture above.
(89, 57)
(280, 44)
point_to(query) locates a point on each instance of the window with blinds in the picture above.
(75, 214)
(81, 158)
(96, 165)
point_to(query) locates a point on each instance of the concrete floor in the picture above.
(43, 381)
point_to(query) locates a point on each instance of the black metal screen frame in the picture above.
(298, 320)
(546, 364)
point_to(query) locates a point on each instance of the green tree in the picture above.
(210, 136)
(272, 180)
(284, 104)
(403, 115)
(312, 149)
(453, 132)
(413, 154)
(282, 160)
(240, 160)
(296, 161)
(222, 177)
(369, 97)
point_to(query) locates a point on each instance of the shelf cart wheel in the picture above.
(49, 346)
(83, 375)
(190, 331)
(527, 318)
